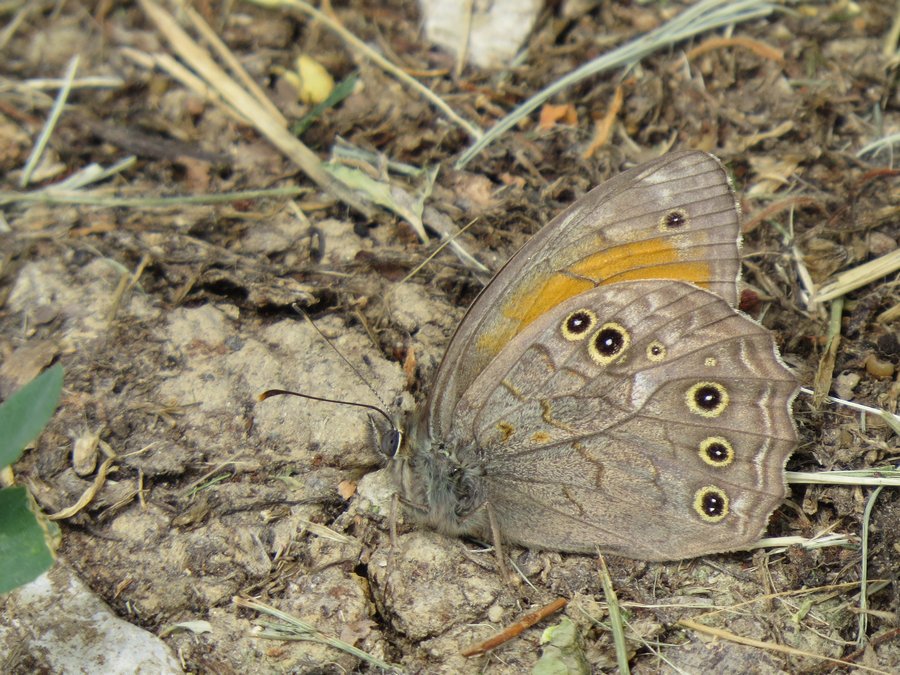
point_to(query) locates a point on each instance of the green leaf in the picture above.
(25, 414)
(27, 539)
(563, 651)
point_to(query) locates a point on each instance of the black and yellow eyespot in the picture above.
(716, 451)
(707, 399)
(656, 351)
(711, 504)
(673, 221)
(578, 324)
(609, 343)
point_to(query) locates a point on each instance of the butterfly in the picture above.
(603, 391)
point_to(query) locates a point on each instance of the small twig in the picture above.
(126, 283)
(792, 202)
(515, 629)
(446, 241)
(603, 126)
(759, 48)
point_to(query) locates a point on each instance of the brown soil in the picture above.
(214, 495)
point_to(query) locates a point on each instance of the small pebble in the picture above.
(495, 613)
(84, 453)
(845, 383)
(881, 244)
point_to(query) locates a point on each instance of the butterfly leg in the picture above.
(498, 543)
(392, 518)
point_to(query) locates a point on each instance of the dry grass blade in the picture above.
(292, 628)
(228, 57)
(770, 646)
(174, 69)
(54, 195)
(822, 384)
(696, 19)
(47, 131)
(891, 418)
(616, 624)
(859, 276)
(88, 495)
(247, 105)
(876, 477)
(864, 572)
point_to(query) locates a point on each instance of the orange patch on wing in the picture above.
(651, 259)
(526, 305)
(506, 430)
(540, 437)
(557, 289)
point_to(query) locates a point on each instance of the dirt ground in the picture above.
(170, 320)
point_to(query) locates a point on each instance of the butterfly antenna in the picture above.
(343, 358)
(269, 393)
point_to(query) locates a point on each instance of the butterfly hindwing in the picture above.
(664, 409)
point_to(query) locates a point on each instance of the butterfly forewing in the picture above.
(673, 218)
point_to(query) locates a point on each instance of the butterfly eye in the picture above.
(390, 443)
(711, 504)
(609, 343)
(578, 324)
(716, 451)
(708, 399)
(675, 219)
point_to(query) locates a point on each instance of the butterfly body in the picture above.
(603, 391)
(443, 486)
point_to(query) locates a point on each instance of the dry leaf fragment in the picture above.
(603, 126)
(346, 489)
(552, 114)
